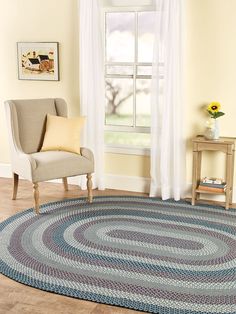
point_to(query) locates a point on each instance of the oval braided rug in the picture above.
(135, 252)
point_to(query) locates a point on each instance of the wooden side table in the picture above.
(225, 145)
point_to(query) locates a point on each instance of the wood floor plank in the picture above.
(107, 309)
(6, 305)
(16, 298)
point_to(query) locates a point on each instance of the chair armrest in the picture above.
(23, 164)
(87, 153)
(27, 159)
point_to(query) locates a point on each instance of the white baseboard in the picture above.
(118, 182)
(5, 170)
(127, 183)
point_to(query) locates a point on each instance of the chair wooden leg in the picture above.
(89, 187)
(65, 183)
(15, 185)
(36, 197)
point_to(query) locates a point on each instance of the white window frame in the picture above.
(122, 149)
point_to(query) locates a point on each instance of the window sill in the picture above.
(127, 150)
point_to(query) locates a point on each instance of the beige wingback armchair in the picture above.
(26, 119)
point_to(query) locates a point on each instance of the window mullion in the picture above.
(135, 67)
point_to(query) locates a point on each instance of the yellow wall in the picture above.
(210, 71)
(209, 67)
(127, 165)
(31, 20)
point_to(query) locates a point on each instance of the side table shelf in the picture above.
(225, 145)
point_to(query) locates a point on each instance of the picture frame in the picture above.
(38, 61)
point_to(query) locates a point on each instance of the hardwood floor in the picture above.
(16, 298)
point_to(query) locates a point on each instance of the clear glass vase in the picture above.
(212, 131)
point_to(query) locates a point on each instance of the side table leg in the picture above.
(231, 197)
(194, 179)
(199, 164)
(229, 176)
(232, 179)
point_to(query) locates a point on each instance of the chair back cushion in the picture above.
(31, 118)
(63, 134)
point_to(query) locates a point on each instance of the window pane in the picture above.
(127, 138)
(119, 101)
(146, 24)
(120, 36)
(143, 102)
(119, 70)
(144, 70)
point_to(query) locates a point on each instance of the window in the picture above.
(128, 67)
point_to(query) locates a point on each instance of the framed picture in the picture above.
(38, 61)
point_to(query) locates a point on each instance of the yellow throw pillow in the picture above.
(62, 134)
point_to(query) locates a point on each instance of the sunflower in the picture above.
(214, 110)
(214, 107)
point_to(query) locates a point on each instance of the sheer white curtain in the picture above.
(92, 83)
(167, 146)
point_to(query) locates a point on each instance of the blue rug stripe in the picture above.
(141, 306)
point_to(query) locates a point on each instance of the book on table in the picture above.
(212, 185)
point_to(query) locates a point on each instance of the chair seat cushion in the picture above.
(59, 164)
